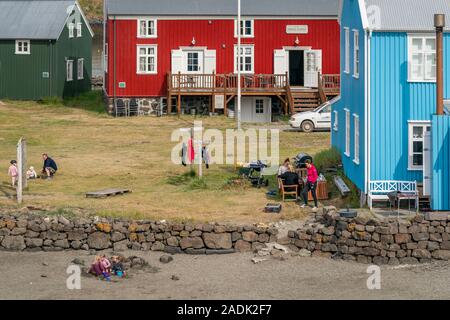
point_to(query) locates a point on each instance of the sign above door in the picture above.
(297, 29)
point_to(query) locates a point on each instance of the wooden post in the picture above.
(179, 93)
(21, 166)
(169, 93)
(225, 95)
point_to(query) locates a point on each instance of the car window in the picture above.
(327, 109)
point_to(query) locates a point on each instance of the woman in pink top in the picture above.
(311, 184)
(13, 172)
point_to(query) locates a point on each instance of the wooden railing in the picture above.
(219, 82)
(331, 82)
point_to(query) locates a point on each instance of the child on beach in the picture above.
(13, 172)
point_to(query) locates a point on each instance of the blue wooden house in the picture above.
(384, 123)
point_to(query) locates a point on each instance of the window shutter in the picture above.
(177, 61)
(279, 64)
(210, 61)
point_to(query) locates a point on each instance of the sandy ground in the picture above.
(43, 276)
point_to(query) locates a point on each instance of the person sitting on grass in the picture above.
(49, 167)
(31, 173)
(13, 172)
(311, 185)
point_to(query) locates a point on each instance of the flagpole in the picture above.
(239, 65)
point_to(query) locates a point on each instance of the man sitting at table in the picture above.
(290, 178)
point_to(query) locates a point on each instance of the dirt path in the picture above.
(42, 276)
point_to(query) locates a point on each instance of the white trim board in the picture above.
(187, 17)
(86, 22)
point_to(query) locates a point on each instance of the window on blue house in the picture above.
(421, 58)
(356, 144)
(347, 50)
(347, 132)
(416, 135)
(356, 53)
(336, 121)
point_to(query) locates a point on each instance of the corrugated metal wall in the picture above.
(394, 102)
(218, 35)
(440, 136)
(352, 98)
(21, 75)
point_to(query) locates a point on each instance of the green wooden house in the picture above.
(45, 49)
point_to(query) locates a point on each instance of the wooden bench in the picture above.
(379, 190)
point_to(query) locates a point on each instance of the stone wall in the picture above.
(36, 233)
(369, 240)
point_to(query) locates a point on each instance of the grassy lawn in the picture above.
(95, 151)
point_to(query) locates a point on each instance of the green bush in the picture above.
(330, 158)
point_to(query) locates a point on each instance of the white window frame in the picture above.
(356, 54)
(411, 125)
(69, 70)
(20, 47)
(71, 30)
(236, 63)
(105, 61)
(336, 121)
(259, 106)
(356, 133)
(155, 55)
(146, 35)
(347, 132)
(243, 21)
(347, 50)
(424, 53)
(79, 30)
(80, 71)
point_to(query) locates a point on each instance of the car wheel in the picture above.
(307, 126)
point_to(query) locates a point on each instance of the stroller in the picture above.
(255, 174)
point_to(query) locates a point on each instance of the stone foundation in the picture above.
(390, 241)
(36, 233)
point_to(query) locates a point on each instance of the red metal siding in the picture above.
(217, 34)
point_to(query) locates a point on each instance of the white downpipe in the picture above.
(239, 93)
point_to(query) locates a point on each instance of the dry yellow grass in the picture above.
(95, 151)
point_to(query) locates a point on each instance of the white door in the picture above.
(262, 111)
(323, 117)
(193, 61)
(280, 65)
(313, 65)
(427, 161)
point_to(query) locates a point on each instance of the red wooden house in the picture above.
(182, 53)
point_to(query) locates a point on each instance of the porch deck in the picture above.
(225, 85)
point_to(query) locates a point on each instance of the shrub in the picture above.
(330, 158)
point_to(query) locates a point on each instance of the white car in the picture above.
(308, 121)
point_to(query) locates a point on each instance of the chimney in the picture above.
(439, 23)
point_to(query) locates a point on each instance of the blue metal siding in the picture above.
(395, 101)
(352, 97)
(440, 135)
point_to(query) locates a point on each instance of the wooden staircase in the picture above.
(304, 99)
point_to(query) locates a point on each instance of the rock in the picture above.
(263, 238)
(135, 246)
(218, 241)
(172, 250)
(18, 231)
(64, 221)
(99, 240)
(243, 246)
(421, 253)
(409, 260)
(76, 244)
(420, 236)
(117, 236)
(13, 243)
(175, 278)
(121, 245)
(249, 236)
(195, 251)
(85, 247)
(62, 244)
(158, 246)
(441, 254)
(172, 241)
(258, 260)
(432, 216)
(445, 245)
(402, 238)
(78, 261)
(304, 253)
(380, 260)
(220, 229)
(34, 243)
(393, 262)
(165, 259)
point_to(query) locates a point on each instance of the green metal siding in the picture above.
(21, 76)
(73, 49)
